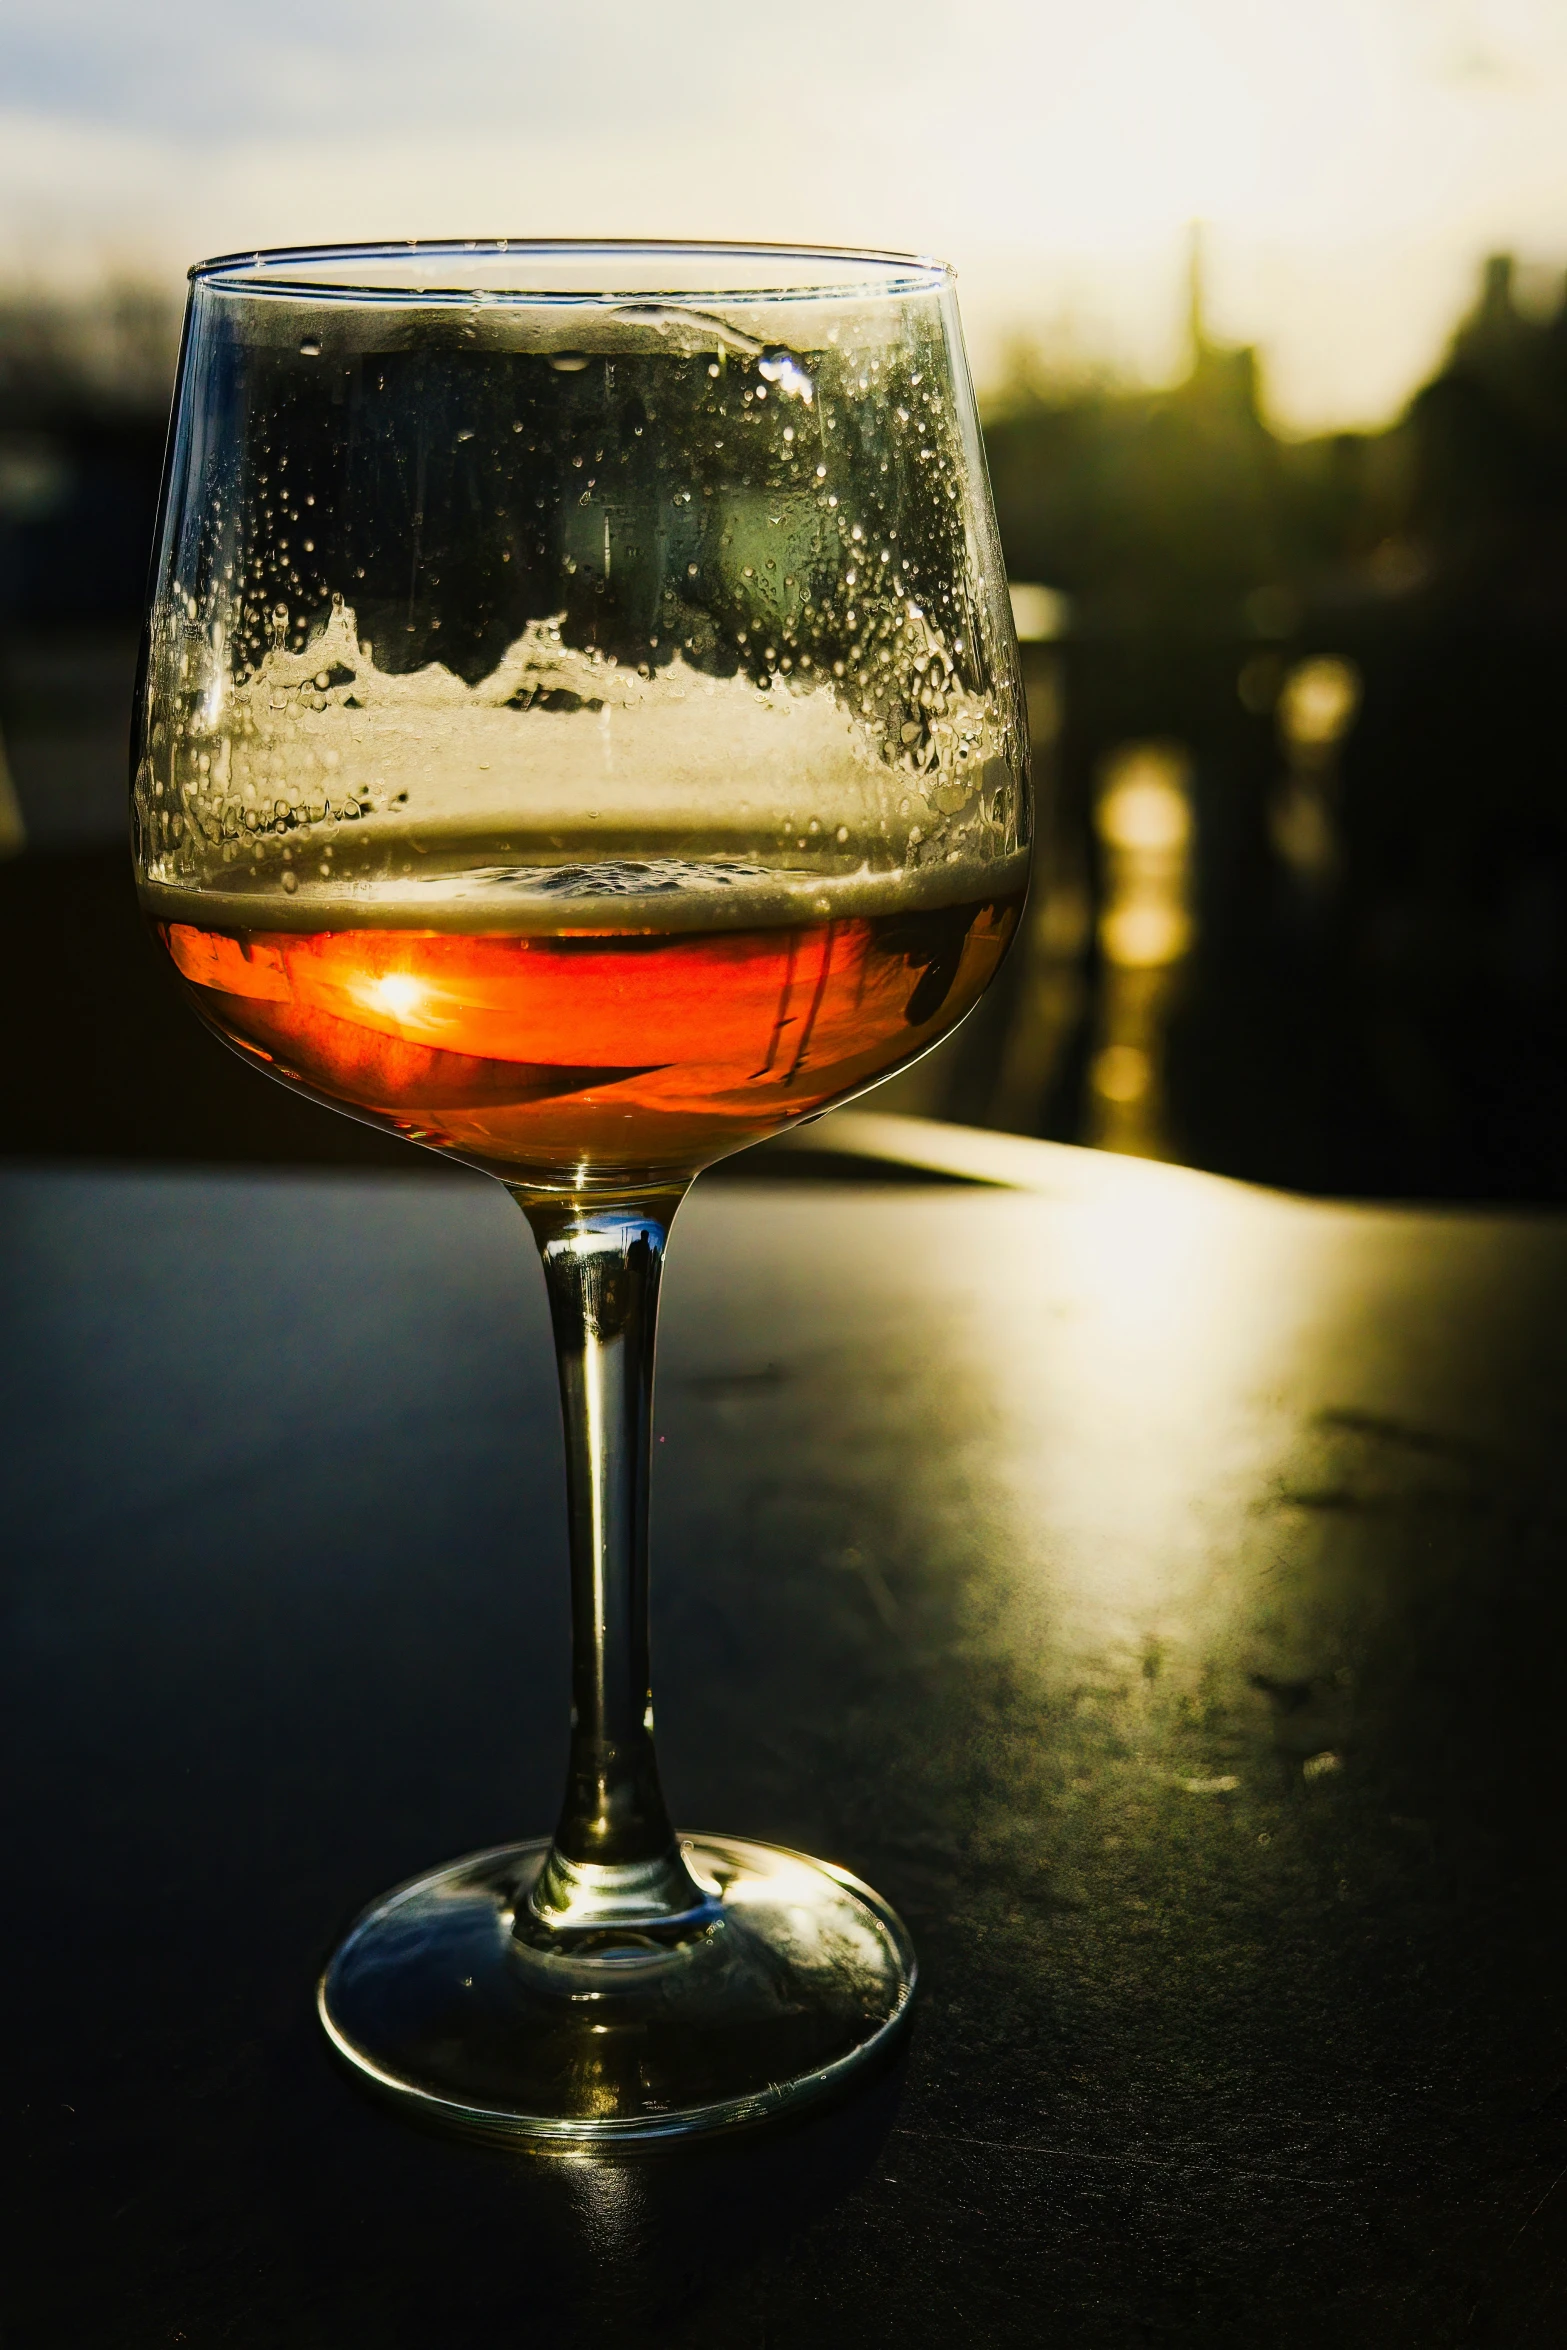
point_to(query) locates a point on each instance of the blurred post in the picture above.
(13, 833)
(1050, 992)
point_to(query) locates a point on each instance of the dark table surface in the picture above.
(1155, 1588)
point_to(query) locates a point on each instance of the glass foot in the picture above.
(451, 1997)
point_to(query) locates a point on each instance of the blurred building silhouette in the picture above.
(84, 392)
(1354, 644)
(84, 389)
(1323, 672)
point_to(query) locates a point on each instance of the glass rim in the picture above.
(777, 272)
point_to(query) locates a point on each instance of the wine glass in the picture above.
(581, 733)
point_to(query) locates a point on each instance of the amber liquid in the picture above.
(588, 1057)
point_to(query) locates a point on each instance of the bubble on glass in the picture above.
(785, 647)
(783, 370)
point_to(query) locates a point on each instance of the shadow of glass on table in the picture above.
(1155, 1585)
(405, 2234)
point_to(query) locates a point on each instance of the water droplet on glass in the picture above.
(568, 362)
(783, 369)
(310, 348)
(291, 882)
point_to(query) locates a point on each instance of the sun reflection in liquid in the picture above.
(399, 993)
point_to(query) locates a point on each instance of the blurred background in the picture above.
(1268, 312)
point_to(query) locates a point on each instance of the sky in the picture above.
(1352, 160)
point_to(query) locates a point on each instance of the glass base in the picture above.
(449, 1995)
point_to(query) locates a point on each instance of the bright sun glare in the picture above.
(399, 993)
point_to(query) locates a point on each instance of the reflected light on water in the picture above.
(1319, 701)
(1123, 1073)
(1316, 709)
(1143, 807)
(1143, 818)
(1039, 614)
(1144, 935)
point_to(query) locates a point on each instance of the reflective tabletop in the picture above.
(1156, 1583)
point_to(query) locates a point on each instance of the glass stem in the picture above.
(615, 1863)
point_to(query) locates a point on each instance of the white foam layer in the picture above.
(656, 894)
(324, 751)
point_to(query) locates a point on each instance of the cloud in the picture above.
(362, 68)
(1055, 152)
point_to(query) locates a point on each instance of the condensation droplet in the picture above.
(310, 348)
(783, 369)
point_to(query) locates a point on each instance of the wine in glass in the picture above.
(581, 733)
